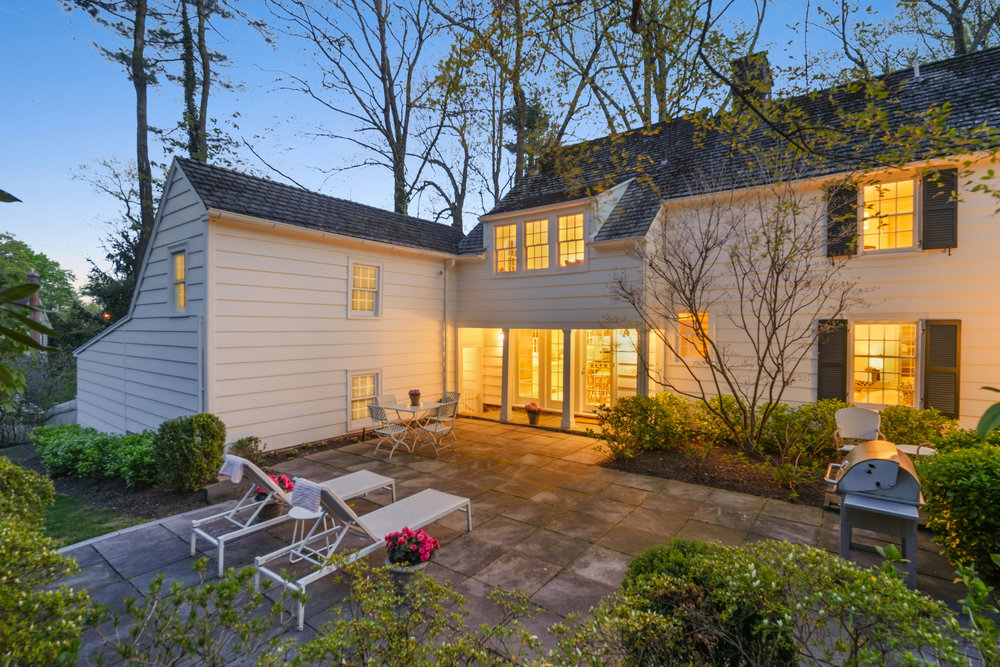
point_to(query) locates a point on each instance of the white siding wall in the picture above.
(281, 345)
(147, 368)
(961, 285)
(576, 298)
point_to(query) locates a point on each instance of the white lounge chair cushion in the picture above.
(413, 512)
(232, 467)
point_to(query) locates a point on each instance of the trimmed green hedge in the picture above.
(188, 451)
(69, 449)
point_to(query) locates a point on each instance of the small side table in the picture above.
(301, 516)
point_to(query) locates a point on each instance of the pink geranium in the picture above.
(409, 547)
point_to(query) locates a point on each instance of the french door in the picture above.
(539, 354)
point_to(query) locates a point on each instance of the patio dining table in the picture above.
(412, 422)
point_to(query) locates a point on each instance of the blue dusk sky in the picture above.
(62, 106)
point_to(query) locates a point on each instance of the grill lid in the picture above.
(878, 468)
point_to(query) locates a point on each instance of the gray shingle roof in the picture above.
(671, 160)
(234, 192)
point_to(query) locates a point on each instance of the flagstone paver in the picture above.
(545, 519)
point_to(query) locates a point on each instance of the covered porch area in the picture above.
(568, 373)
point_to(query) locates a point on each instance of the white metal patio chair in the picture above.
(387, 430)
(387, 401)
(413, 512)
(242, 518)
(856, 424)
(440, 428)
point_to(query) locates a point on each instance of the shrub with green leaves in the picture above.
(713, 428)
(69, 449)
(40, 627)
(962, 490)
(638, 423)
(188, 450)
(767, 603)
(909, 426)
(251, 448)
(802, 433)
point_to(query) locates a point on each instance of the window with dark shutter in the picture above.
(832, 381)
(841, 221)
(940, 219)
(942, 340)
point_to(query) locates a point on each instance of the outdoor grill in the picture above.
(879, 491)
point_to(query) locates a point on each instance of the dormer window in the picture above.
(570, 240)
(505, 242)
(536, 245)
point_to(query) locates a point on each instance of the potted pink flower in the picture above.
(414, 397)
(409, 550)
(533, 411)
(273, 508)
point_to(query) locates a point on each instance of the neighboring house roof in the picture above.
(672, 159)
(231, 191)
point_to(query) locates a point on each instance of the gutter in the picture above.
(239, 218)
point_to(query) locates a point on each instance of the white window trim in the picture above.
(363, 314)
(173, 251)
(918, 215)
(918, 376)
(354, 424)
(553, 244)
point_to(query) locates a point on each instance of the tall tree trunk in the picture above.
(206, 81)
(139, 82)
(520, 99)
(190, 83)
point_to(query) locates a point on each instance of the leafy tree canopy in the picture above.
(17, 260)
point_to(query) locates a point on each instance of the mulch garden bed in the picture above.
(722, 468)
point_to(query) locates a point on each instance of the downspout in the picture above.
(444, 327)
(201, 364)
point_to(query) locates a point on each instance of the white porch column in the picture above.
(504, 374)
(568, 384)
(642, 347)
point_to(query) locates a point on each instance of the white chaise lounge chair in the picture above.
(413, 512)
(241, 519)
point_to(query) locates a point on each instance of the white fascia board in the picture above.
(535, 210)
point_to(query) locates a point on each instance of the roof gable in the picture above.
(234, 192)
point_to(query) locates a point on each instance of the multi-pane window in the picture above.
(505, 243)
(536, 244)
(888, 217)
(364, 289)
(691, 338)
(179, 260)
(570, 240)
(885, 362)
(363, 391)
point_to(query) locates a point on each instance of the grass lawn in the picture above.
(71, 520)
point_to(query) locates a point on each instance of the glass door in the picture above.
(539, 367)
(598, 361)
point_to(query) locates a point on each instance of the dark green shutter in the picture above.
(841, 221)
(940, 219)
(942, 347)
(832, 380)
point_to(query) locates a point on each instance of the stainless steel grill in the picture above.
(879, 491)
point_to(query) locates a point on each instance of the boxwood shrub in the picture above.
(188, 450)
(962, 490)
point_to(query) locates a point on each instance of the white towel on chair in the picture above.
(306, 494)
(232, 467)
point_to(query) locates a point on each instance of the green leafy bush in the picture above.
(962, 489)
(188, 450)
(964, 437)
(251, 448)
(40, 627)
(638, 423)
(767, 603)
(713, 428)
(903, 425)
(69, 449)
(802, 433)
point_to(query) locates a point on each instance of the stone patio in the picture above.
(546, 519)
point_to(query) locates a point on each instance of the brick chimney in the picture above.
(752, 76)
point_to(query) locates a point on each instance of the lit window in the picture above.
(885, 363)
(180, 281)
(363, 391)
(888, 216)
(364, 289)
(691, 339)
(506, 248)
(536, 244)
(571, 240)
